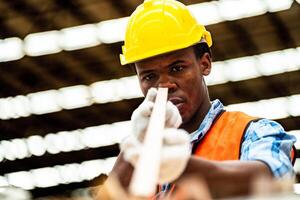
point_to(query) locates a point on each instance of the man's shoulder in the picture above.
(262, 128)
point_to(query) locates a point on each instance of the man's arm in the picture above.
(225, 178)
(233, 176)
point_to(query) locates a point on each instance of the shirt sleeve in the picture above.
(265, 140)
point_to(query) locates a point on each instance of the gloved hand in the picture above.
(175, 153)
(140, 117)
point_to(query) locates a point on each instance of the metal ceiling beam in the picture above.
(5, 31)
(32, 16)
(72, 7)
(282, 32)
(11, 84)
(122, 7)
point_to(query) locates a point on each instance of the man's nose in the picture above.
(166, 82)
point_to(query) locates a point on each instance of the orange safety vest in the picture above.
(224, 139)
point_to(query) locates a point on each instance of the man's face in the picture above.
(182, 73)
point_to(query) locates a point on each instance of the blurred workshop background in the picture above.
(65, 100)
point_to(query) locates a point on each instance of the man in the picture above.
(168, 48)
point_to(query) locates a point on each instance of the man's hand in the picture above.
(176, 151)
(140, 117)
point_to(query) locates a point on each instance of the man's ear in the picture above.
(205, 64)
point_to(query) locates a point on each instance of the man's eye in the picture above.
(148, 77)
(176, 68)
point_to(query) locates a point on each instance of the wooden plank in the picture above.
(145, 176)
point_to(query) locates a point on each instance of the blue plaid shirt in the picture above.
(265, 140)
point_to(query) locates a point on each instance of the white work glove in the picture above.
(140, 117)
(175, 153)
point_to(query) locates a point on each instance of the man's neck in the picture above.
(193, 124)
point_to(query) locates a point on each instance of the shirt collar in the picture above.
(215, 109)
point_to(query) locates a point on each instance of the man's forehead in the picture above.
(165, 59)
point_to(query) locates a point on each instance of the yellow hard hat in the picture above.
(160, 26)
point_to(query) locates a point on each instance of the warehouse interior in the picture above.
(66, 101)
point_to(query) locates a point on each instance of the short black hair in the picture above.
(200, 49)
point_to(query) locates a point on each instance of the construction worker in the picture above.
(169, 48)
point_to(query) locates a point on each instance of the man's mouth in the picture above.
(177, 101)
